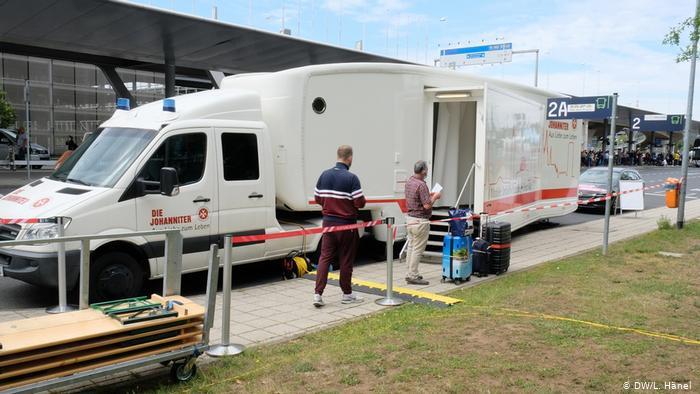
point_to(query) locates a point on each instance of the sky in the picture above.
(587, 47)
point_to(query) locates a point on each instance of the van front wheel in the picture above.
(115, 275)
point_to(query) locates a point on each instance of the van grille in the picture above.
(9, 232)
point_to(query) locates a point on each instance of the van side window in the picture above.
(186, 153)
(240, 156)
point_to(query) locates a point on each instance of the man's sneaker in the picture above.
(417, 281)
(351, 299)
(318, 301)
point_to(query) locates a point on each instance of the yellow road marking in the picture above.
(519, 313)
(399, 290)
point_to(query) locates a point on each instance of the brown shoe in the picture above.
(417, 281)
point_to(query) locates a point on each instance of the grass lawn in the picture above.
(483, 345)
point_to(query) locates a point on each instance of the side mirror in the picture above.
(169, 185)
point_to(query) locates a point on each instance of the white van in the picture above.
(244, 159)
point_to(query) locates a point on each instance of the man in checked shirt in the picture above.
(419, 202)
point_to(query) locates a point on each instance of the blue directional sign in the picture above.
(590, 108)
(476, 49)
(653, 122)
(481, 54)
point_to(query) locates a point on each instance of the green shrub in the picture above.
(664, 223)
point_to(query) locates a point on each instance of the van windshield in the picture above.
(104, 156)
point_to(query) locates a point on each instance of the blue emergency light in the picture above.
(123, 103)
(169, 105)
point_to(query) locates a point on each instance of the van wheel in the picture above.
(114, 276)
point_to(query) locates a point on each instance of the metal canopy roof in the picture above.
(121, 34)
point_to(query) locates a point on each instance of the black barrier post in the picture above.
(389, 300)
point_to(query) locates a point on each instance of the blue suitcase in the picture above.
(457, 271)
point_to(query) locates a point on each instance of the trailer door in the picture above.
(453, 133)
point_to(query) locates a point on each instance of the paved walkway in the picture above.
(278, 311)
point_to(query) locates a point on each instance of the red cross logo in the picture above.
(40, 203)
(203, 214)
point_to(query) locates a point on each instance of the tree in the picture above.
(675, 37)
(7, 113)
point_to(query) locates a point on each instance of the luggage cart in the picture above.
(182, 361)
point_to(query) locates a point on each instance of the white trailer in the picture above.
(248, 155)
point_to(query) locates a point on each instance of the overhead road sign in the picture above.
(590, 108)
(482, 54)
(651, 122)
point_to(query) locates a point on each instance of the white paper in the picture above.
(437, 188)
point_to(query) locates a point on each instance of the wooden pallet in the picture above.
(52, 346)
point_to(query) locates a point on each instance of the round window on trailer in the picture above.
(319, 105)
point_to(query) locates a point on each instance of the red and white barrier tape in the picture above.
(307, 231)
(582, 202)
(331, 229)
(27, 221)
(239, 239)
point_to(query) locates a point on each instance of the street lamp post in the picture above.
(537, 61)
(688, 120)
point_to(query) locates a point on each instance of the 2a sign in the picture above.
(653, 122)
(590, 108)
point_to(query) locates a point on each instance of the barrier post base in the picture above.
(389, 301)
(225, 350)
(61, 309)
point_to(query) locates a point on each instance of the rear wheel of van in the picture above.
(115, 275)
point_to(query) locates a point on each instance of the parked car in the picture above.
(9, 137)
(694, 157)
(594, 182)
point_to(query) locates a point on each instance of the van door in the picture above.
(245, 200)
(192, 154)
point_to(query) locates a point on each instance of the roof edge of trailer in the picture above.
(395, 68)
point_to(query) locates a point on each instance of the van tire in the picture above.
(115, 275)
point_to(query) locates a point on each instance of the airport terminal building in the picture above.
(69, 98)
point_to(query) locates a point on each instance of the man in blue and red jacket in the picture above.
(339, 193)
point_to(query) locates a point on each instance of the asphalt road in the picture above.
(17, 295)
(652, 198)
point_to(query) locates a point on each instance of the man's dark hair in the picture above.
(420, 166)
(344, 152)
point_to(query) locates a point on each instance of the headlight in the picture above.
(41, 231)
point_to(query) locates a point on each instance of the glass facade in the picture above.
(67, 98)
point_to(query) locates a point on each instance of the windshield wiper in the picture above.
(78, 181)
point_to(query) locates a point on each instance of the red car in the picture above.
(594, 183)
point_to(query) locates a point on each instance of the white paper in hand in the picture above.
(437, 188)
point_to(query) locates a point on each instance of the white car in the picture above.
(8, 138)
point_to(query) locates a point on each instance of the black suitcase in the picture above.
(499, 237)
(480, 257)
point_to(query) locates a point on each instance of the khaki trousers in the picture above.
(418, 231)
